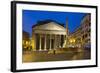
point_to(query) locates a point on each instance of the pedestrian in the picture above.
(54, 51)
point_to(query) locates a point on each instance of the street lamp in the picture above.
(72, 42)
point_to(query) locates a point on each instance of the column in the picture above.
(57, 42)
(35, 41)
(40, 43)
(45, 42)
(50, 42)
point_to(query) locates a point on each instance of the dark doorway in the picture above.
(52, 43)
(42, 43)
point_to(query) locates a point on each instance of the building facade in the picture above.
(86, 30)
(48, 35)
(81, 36)
(26, 41)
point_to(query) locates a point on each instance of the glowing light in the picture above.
(72, 40)
(27, 43)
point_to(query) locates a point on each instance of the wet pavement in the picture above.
(44, 56)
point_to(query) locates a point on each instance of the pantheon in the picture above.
(48, 35)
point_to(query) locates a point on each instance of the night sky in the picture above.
(30, 18)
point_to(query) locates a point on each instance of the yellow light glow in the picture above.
(27, 42)
(72, 40)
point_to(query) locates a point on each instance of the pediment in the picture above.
(50, 26)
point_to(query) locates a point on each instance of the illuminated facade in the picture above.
(47, 35)
(81, 35)
(86, 30)
(26, 41)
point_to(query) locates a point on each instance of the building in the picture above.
(81, 36)
(75, 38)
(26, 41)
(48, 35)
(86, 31)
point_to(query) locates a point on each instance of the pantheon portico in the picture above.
(48, 35)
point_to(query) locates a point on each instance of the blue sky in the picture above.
(30, 18)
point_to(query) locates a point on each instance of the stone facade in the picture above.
(82, 35)
(47, 35)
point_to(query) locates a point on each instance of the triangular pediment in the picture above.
(50, 26)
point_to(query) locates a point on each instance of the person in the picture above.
(54, 51)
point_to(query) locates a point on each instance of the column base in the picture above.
(45, 49)
(40, 49)
(50, 49)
